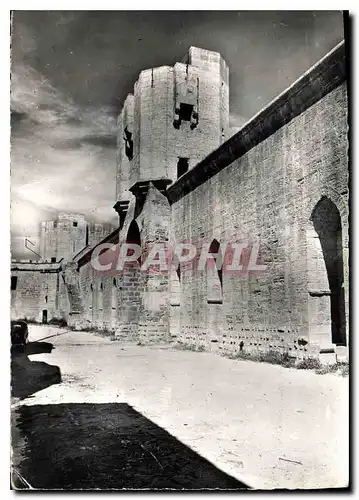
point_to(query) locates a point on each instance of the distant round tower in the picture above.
(176, 116)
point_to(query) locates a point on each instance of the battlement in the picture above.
(31, 265)
(70, 216)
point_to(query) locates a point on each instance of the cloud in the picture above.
(62, 156)
(70, 179)
(72, 70)
(20, 251)
(25, 223)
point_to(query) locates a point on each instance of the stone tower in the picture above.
(64, 237)
(175, 117)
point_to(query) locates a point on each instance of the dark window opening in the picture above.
(182, 166)
(46, 299)
(185, 112)
(74, 223)
(53, 259)
(101, 286)
(13, 282)
(87, 235)
(55, 224)
(114, 282)
(128, 144)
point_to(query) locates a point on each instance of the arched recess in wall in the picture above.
(131, 281)
(100, 297)
(327, 225)
(214, 274)
(175, 287)
(87, 297)
(134, 236)
(92, 301)
(113, 302)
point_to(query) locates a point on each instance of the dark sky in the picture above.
(72, 70)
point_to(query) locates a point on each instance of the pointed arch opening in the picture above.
(132, 283)
(100, 297)
(214, 274)
(114, 303)
(175, 287)
(134, 237)
(91, 303)
(328, 227)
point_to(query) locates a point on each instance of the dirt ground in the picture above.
(167, 418)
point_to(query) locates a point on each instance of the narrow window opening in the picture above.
(185, 112)
(87, 235)
(182, 166)
(114, 282)
(55, 224)
(128, 143)
(13, 282)
(53, 259)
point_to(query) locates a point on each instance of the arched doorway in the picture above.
(133, 234)
(214, 274)
(215, 314)
(131, 285)
(175, 301)
(327, 225)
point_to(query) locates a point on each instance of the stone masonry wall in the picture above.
(281, 182)
(267, 195)
(62, 238)
(35, 292)
(132, 304)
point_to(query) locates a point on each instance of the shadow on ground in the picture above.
(29, 377)
(108, 446)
